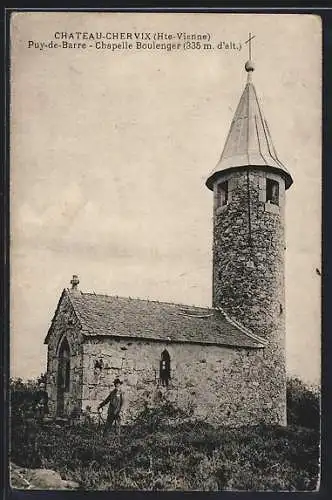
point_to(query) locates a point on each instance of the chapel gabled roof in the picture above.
(137, 319)
(249, 142)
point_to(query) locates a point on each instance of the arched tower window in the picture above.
(64, 366)
(222, 194)
(272, 191)
(165, 368)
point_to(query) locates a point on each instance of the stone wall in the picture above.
(219, 384)
(65, 324)
(230, 385)
(248, 271)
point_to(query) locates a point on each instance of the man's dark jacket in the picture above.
(115, 400)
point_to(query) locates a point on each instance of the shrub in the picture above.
(163, 449)
(303, 404)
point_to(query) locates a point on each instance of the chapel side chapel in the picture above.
(225, 363)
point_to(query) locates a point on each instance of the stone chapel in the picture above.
(225, 363)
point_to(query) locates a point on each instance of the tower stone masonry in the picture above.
(249, 184)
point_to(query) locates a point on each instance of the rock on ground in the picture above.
(38, 479)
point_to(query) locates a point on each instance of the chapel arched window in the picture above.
(165, 368)
(64, 365)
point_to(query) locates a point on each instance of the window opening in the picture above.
(222, 194)
(165, 368)
(272, 191)
(64, 365)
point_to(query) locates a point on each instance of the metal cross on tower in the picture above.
(251, 37)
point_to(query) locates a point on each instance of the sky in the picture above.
(110, 151)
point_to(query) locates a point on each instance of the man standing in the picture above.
(41, 401)
(115, 400)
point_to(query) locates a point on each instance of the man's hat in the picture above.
(117, 381)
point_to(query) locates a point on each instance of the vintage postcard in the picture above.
(165, 218)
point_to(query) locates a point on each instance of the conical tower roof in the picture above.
(249, 142)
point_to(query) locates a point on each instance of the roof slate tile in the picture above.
(103, 315)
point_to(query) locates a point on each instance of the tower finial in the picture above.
(249, 66)
(74, 282)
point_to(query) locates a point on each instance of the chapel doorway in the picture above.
(63, 378)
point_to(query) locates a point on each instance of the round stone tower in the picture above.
(249, 184)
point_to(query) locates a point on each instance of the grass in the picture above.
(162, 450)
